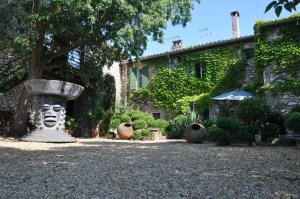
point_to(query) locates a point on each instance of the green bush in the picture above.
(228, 124)
(222, 137)
(277, 118)
(175, 130)
(145, 133)
(269, 132)
(208, 123)
(212, 131)
(139, 124)
(114, 123)
(131, 113)
(293, 122)
(160, 123)
(242, 135)
(125, 118)
(116, 116)
(137, 135)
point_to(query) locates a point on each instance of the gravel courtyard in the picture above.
(100, 169)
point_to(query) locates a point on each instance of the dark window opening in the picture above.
(199, 70)
(249, 53)
(156, 115)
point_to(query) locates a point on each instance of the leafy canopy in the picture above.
(104, 29)
(278, 5)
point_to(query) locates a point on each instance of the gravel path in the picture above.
(133, 170)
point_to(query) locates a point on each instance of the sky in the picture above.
(211, 21)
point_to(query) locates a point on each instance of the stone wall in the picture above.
(114, 70)
(10, 100)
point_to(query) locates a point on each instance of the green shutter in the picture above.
(133, 74)
(145, 76)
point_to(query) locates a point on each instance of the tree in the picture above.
(254, 112)
(104, 29)
(278, 5)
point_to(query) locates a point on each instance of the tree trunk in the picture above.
(21, 114)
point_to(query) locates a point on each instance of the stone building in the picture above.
(139, 74)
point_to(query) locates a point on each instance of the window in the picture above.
(156, 115)
(249, 53)
(139, 77)
(199, 70)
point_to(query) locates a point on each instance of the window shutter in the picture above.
(145, 76)
(133, 74)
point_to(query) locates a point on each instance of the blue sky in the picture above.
(211, 21)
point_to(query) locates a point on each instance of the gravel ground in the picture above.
(101, 169)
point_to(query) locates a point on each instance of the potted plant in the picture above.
(95, 115)
(71, 125)
(194, 132)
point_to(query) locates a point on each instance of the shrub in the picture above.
(254, 112)
(145, 133)
(125, 118)
(242, 135)
(137, 135)
(175, 130)
(222, 137)
(228, 124)
(269, 132)
(116, 116)
(277, 118)
(208, 123)
(131, 113)
(293, 122)
(137, 116)
(114, 123)
(139, 124)
(212, 131)
(160, 123)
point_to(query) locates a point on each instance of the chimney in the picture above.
(235, 24)
(177, 45)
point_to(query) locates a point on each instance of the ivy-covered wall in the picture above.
(277, 58)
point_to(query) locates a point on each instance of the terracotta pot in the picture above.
(195, 133)
(125, 131)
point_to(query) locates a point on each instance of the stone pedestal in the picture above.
(49, 109)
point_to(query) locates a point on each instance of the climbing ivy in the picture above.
(283, 52)
(175, 89)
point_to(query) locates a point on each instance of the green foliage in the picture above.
(228, 124)
(176, 130)
(242, 135)
(192, 117)
(208, 123)
(139, 124)
(269, 132)
(293, 122)
(105, 121)
(198, 103)
(95, 115)
(71, 123)
(278, 5)
(277, 118)
(125, 118)
(137, 135)
(212, 131)
(221, 136)
(114, 123)
(284, 52)
(104, 30)
(160, 123)
(145, 133)
(253, 111)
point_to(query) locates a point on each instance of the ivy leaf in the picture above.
(272, 4)
(278, 10)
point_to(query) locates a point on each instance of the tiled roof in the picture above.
(200, 46)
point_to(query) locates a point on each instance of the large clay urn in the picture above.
(125, 131)
(195, 133)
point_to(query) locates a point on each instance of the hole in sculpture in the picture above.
(127, 125)
(196, 126)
